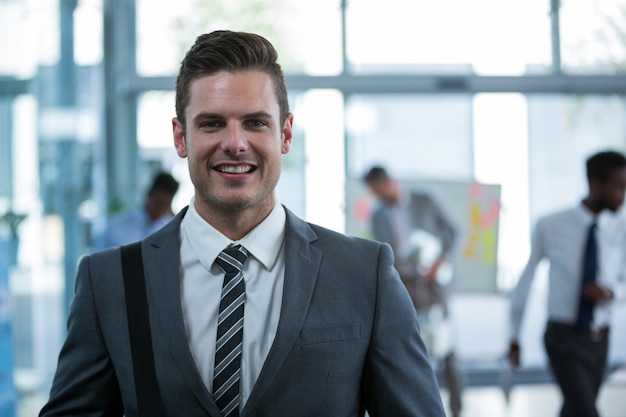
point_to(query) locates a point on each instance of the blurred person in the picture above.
(585, 246)
(402, 217)
(139, 222)
(310, 322)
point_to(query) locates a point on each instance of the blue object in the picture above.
(7, 390)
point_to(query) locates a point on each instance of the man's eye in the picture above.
(256, 123)
(210, 124)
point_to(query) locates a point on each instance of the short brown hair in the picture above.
(376, 173)
(224, 50)
(165, 182)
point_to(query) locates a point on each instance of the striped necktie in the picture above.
(230, 331)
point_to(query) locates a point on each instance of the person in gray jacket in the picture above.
(309, 322)
(399, 214)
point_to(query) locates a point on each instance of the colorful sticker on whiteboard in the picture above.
(483, 215)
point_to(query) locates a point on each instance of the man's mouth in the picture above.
(235, 169)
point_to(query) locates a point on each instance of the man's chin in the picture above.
(232, 204)
(236, 203)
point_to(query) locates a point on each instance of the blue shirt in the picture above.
(129, 227)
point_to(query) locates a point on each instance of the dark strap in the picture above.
(148, 398)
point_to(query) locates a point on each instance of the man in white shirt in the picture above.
(586, 247)
(252, 311)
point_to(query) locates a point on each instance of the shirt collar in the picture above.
(403, 198)
(266, 239)
(263, 242)
(604, 219)
(587, 215)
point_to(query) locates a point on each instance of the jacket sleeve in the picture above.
(382, 230)
(85, 383)
(398, 380)
(442, 225)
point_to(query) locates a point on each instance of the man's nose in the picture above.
(234, 140)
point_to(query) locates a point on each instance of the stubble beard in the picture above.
(226, 204)
(229, 204)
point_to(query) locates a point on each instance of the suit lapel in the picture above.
(161, 253)
(302, 263)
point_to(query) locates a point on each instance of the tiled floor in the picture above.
(534, 401)
(538, 400)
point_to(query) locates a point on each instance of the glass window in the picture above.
(501, 157)
(488, 36)
(29, 35)
(318, 120)
(592, 36)
(155, 110)
(426, 136)
(304, 46)
(88, 29)
(563, 132)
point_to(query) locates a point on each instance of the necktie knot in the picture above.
(232, 258)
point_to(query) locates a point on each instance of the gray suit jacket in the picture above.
(424, 212)
(347, 338)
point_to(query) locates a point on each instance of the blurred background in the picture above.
(512, 95)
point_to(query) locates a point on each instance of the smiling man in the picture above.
(248, 309)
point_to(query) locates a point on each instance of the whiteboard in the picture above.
(474, 208)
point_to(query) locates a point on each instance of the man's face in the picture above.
(233, 140)
(612, 190)
(159, 203)
(384, 189)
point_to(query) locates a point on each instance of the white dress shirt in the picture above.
(201, 287)
(561, 239)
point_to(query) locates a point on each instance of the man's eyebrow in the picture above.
(258, 114)
(204, 115)
(254, 115)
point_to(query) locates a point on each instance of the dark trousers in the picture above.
(454, 383)
(578, 360)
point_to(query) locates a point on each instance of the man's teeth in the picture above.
(239, 169)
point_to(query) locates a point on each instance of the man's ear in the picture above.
(179, 138)
(287, 134)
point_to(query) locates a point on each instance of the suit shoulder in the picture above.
(420, 193)
(103, 255)
(103, 263)
(326, 236)
(332, 241)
